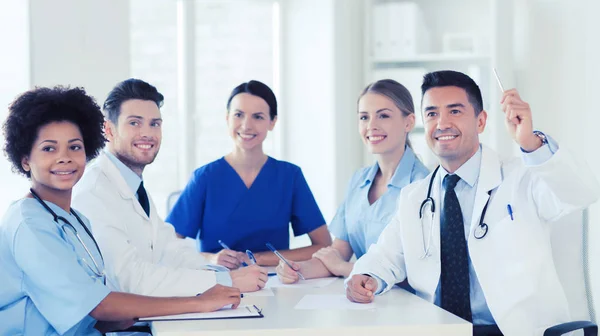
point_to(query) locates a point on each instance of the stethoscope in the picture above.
(68, 227)
(480, 231)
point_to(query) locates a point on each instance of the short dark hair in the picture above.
(41, 106)
(128, 89)
(454, 78)
(258, 89)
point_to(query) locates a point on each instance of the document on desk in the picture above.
(331, 301)
(250, 311)
(310, 283)
(262, 292)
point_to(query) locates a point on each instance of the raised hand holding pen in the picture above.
(518, 120)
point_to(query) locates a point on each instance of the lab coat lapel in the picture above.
(490, 177)
(113, 174)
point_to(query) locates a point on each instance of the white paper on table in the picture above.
(310, 283)
(331, 301)
(240, 312)
(263, 292)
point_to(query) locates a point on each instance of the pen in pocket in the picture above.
(510, 212)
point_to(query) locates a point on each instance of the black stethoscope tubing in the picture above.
(66, 221)
(482, 226)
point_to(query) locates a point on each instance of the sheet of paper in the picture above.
(271, 270)
(333, 301)
(310, 283)
(263, 292)
(241, 311)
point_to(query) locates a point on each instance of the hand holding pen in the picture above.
(228, 257)
(296, 269)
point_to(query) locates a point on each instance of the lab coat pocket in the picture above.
(512, 249)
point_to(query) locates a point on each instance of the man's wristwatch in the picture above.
(542, 137)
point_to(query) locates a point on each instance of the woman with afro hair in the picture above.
(52, 277)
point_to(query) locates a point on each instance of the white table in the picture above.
(398, 313)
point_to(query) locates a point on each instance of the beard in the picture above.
(134, 163)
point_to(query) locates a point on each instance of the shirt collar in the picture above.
(132, 179)
(469, 171)
(402, 174)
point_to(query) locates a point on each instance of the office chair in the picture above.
(172, 199)
(570, 251)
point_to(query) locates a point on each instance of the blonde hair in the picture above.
(397, 93)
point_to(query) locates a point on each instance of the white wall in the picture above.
(14, 79)
(348, 24)
(321, 79)
(557, 71)
(307, 94)
(80, 43)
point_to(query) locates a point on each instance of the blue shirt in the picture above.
(133, 181)
(216, 204)
(465, 191)
(360, 223)
(47, 288)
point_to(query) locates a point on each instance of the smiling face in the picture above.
(452, 129)
(248, 121)
(135, 140)
(57, 159)
(382, 125)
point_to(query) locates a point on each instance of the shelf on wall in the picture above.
(425, 59)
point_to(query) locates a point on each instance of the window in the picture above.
(14, 79)
(234, 41)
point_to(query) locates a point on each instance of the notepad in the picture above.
(241, 312)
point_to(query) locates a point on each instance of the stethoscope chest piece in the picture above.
(480, 231)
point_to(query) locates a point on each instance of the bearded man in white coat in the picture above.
(141, 252)
(485, 254)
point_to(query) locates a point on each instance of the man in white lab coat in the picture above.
(485, 254)
(141, 252)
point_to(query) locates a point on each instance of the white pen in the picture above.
(498, 79)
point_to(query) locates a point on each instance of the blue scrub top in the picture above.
(46, 288)
(216, 204)
(361, 223)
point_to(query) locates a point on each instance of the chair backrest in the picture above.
(171, 199)
(570, 251)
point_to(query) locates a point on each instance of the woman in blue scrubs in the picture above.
(52, 278)
(247, 199)
(385, 117)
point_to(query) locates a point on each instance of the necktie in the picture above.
(143, 198)
(455, 292)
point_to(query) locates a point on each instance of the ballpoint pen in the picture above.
(283, 259)
(223, 245)
(510, 212)
(251, 256)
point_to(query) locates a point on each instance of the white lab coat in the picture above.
(142, 255)
(513, 261)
